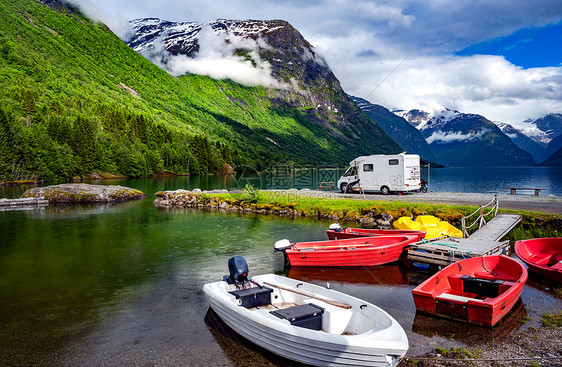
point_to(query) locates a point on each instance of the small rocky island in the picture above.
(84, 193)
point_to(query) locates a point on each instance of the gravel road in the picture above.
(545, 204)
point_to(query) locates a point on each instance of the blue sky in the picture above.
(528, 47)
(497, 58)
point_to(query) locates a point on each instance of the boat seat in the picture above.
(307, 315)
(335, 319)
(542, 259)
(481, 287)
(253, 297)
(454, 297)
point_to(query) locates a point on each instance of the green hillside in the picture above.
(75, 99)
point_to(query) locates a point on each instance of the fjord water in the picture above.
(121, 284)
(494, 180)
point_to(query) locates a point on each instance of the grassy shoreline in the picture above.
(351, 211)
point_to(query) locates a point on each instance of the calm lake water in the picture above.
(122, 284)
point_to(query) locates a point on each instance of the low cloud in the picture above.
(117, 22)
(219, 57)
(447, 137)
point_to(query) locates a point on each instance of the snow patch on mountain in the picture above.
(414, 117)
(221, 49)
(533, 132)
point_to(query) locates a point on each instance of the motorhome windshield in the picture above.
(351, 171)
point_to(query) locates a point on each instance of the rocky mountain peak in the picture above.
(275, 41)
(415, 117)
(272, 54)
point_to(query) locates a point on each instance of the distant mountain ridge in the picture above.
(397, 128)
(461, 139)
(537, 149)
(551, 125)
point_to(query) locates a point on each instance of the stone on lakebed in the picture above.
(84, 193)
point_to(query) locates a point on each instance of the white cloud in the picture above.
(117, 21)
(217, 59)
(448, 137)
(486, 85)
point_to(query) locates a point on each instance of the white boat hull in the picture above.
(372, 337)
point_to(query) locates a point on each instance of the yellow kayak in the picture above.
(434, 227)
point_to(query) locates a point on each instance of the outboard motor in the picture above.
(282, 245)
(335, 227)
(238, 268)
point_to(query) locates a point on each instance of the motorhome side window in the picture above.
(393, 162)
(351, 171)
(368, 168)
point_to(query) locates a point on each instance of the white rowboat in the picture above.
(351, 332)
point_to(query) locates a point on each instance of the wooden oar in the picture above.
(331, 247)
(329, 301)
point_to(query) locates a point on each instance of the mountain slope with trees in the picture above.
(76, 99)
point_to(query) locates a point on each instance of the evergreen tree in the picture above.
(6, 148)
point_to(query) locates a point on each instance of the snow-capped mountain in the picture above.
(549, 127)
(267, 53)
(523, 141)
(538, 137)
(414, 117)
(461, 139)
(397, 128)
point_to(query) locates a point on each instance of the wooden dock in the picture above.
(445, 251)
(25, 203)
(484, 241)
(497, 227)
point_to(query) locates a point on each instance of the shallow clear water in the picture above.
(122, 284)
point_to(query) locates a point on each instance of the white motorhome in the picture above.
(384, 173)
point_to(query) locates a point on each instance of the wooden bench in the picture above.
(513, 190)
(326, 185)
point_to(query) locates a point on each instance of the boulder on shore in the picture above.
(84, 193)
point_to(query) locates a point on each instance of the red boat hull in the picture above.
(542, 255)
(366, 232)
(478, 290)
(365, 251)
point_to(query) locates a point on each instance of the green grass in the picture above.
(552, 319)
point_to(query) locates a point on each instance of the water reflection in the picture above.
(468, 334)
(240, 351)
(380, 275)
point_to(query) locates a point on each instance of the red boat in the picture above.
(479, 290)
(338, 233)
(363, 251)
(542, 255)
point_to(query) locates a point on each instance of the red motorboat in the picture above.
(542, 255)
(338, 233)
(363, 251)
(479, 290)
